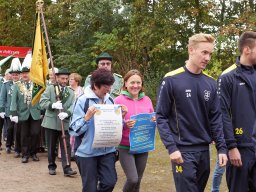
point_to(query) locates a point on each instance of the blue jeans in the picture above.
(217, 176)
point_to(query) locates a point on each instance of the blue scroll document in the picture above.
(142, 135)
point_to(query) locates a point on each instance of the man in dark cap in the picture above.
(58, 98)
(104, 60)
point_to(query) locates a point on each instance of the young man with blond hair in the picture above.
(237, 87)
(189, 117)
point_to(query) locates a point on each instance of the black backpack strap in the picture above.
(112, 101)
(86, 105)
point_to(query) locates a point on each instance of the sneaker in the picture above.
(35, 158)
(69, 172)
(16, 155)
(52, 172)
(24, 159)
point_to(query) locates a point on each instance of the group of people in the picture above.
(192, 111)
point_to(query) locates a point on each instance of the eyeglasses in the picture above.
(106, 86)
(103, 63)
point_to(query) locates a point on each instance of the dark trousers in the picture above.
(243, 179)
(53, 137)
(30, 130)
(193, 174)
(10, 132)
(98, 169)
(1, 128)
(17, 134)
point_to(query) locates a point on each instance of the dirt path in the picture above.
(33, 176)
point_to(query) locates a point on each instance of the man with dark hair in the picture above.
(237, 88)
(104, 60)
(189, 117)
(53, 117)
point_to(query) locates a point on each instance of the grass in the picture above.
(158, 174)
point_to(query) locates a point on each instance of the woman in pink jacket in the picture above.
(137, 102)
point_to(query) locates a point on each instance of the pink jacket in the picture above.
(142, 105)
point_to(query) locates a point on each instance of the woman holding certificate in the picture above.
(134, 98)
(96, 165)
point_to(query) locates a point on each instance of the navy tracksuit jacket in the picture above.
(237, 90)
(188, 112)
(189, 119)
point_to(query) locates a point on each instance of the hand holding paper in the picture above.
(130, 123)
(90, 112)
(153, 119)
(124, 110)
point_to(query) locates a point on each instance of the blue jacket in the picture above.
(188, 112)
(237, 90)
(79, 126)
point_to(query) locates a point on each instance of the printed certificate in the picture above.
(142, 135)
(108, 124)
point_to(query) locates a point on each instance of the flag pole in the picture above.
(39, 7)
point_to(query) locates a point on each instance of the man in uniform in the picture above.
(7, 77)
(27, 115)
(237, 88)
(104, 60)
(57, 100)
(189, 117)
(5, 103)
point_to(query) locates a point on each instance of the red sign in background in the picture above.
(20, 52)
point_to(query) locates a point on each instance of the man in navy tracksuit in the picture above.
(189, 117)
(237, 89)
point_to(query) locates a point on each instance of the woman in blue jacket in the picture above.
(96, 165)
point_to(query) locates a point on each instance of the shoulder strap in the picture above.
(112, 101)
(86, 105)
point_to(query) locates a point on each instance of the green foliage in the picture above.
(148, 35)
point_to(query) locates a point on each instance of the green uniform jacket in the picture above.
(21, 105)
(51, 119)
(116, 87)
(5, 97)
